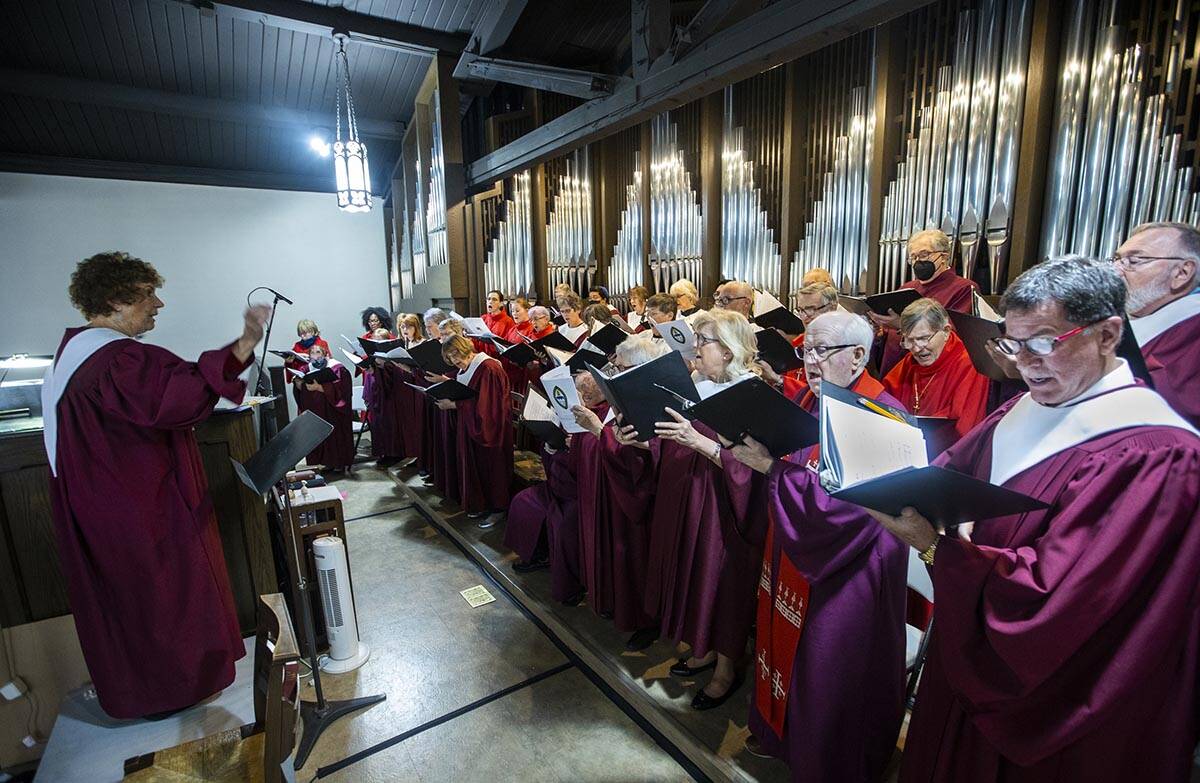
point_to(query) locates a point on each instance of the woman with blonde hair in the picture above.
(688, 297)
(307, 335)
(702, 568)
(484, 435)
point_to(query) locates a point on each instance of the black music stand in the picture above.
(266, 474)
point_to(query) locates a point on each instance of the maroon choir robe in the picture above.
(410, 405)
(702, 566)
(1066, 641)
(616, 489)
(829, 645)
(949, 289)
(485, 437)
(384, 408)
(136, 531)
(543, 521)
(333, 404)
(1170, 341)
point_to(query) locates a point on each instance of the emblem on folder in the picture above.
(560, 397)
(677, 335)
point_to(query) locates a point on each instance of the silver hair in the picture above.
(937, 238)
(1187, 235)
(537, 311)
(636, 349)
(1088, 289)
(435, 314)
(851, 329)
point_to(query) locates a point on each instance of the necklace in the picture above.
(917, 394)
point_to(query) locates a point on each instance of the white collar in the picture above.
(78, 350)
(707, 388)
(573, 332)
(1031, 433)
(464, 376)
(1150, 326)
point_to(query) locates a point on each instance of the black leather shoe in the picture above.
(642, 639)
(703, 701)
(526, 567)
(681, 669)
(574, 599)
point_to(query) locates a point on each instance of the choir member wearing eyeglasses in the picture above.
(929, 258)
(832, 596)
(136, 533)
(330, 401)
(661, 309)
(811, 300)
(575, 330)
(1158, 263)
(616, 500)
(485, 434)
(736, 296)
(936, 377)
(702, 564)
(1066, 640)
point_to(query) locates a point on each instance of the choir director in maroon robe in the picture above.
(1066, 641)
(1159, 263)
(136, 531)
(829, 641)
(484, 432)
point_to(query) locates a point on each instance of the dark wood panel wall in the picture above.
(793, 114)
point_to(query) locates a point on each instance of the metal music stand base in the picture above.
(315, 720)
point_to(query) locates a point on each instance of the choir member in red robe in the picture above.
(936, 377)
(135, 527)
(702, 564)
(332, 402)
(307, 335)
(575, 330)
(484, 432)
(929, 256)
(811, 300)
(1159, 263)
(542, 326)
(497, 318)
(1066, 641)
(829, 645)
(520, 315)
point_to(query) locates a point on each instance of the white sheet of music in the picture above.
(860, 445)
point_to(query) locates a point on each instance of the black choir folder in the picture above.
(894, 301)
(777, 351)
(608, 338)
(540, 420)
(447, 390)
(373, 347)
(428, 355)
(753, 408)
(782, 319)
(323, 375)
(555, 339)
(975, 332)
(641, 394)
(873, 458)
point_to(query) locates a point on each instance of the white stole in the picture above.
(572, 332)
(54, 383)
(464, 376)
(1031, 433)
(1150, 326)
(706, 388)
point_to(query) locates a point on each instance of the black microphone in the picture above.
(278, 295)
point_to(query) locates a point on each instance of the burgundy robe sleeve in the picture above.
(491, 410)
(338, 393)
(1017, 626)
(151, 387)
(823, 534)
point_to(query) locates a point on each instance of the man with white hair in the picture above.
(1158, 263)
(829, 646)
(737, 296)
(1066, 643)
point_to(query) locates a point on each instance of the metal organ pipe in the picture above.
(625, 270)
(570, 253)
(509, 264)
(435, 218)
(677, 234)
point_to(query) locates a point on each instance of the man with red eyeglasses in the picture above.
(1066, 641)
(1159, 262)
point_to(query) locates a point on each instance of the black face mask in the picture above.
(923, 269)
(317, 364)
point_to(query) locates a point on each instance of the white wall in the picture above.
(212, 244)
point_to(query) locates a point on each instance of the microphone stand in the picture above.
(262, 386)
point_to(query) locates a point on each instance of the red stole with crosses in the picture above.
(783, 605)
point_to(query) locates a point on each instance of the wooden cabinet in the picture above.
(32, 586)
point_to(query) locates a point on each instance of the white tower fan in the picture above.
(346, 652)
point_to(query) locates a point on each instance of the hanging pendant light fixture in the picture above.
(350, 167)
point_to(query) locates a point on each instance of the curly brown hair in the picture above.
(107, 279)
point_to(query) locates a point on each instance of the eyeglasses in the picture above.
(1133, 262)
(1038, 346)
(919, 342)
(820, 353)
(926, 256)
(703, 340)
(813, 310)
(724, 301)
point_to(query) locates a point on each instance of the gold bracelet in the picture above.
(927, 555)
